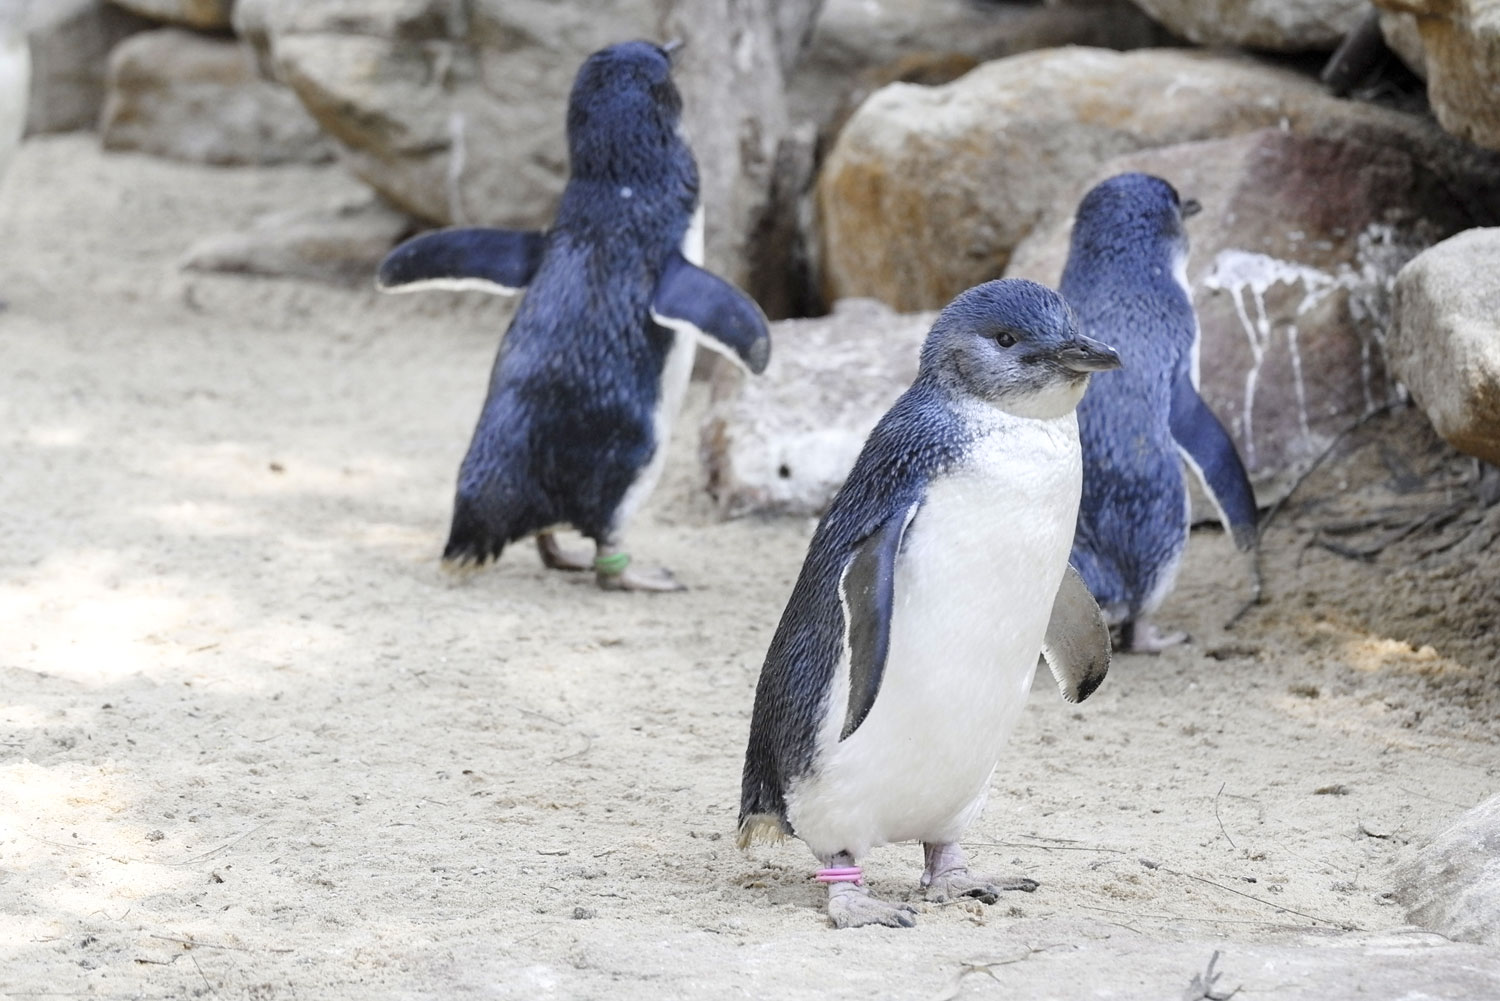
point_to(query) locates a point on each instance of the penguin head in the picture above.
(1015, 345)
(1136, 214)
(623, 116)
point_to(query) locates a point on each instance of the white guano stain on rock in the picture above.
(1380, 251)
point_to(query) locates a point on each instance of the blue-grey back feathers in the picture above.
(569, 419)
(1135, 425)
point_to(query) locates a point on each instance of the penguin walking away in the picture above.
(939, 573)
(1126, 279)
(592, 371)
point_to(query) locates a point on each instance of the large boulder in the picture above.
(70, 45)
(783, 443)
(929, 189)
(1460, 49)
(1280, 25)
(191, 97)
(855, 43)
(1444, 345)
(1291, 266)
(455, 112)
(1452, 885)
(203, 14)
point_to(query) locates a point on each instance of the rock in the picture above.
(202, 14)
(70, 45)
(1461, 54)
(1444, 346)
(341, 244)
(455, 112)
(187, 96)
(1452, 885)
(857, 47)
(783, 443)
(1291, 264)
(1405, 39)
(929, 189)
(1278, 25)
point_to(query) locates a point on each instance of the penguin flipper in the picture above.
(499, 261)
(1077, 644)
(1206, 447)
(868, 594)
(725, 319)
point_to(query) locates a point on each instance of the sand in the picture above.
(255, 742)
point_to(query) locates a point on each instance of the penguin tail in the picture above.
(472, 537)
(765, 828)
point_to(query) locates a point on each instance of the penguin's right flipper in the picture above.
(869, 596)
(1077, 643)
(1208, 449)
(727, 320)
(500, 261)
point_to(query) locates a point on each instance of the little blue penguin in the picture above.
(592, 371)
(934, 581)
(1126, 279)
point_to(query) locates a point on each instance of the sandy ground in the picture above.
(255, 743)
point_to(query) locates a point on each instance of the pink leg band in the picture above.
(845, 874)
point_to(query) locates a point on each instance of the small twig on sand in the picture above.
(206, 982)
(1045, 848)
(1221, 819)
(214, 851)
(193, 943)
(1343, 925)
(1202, 986)
(985, 966)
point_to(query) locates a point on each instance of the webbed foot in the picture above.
(1140, 636)
(614, 573)
(851, 906)
(556, 557)
(947, 877)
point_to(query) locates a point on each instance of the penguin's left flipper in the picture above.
(1077, 643)
(1208, 449)
(869, 597)
(499, 261)
(726, 319)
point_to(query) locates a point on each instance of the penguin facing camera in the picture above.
(592, 371)
(1126, 279)
(936, 578)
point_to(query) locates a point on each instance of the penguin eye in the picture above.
(1005, 339)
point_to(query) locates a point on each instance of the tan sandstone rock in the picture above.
(1280, 25)
(1445, 341)
(1460, 42)
(192, 97)
(203, 14)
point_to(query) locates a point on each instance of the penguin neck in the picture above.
(1050, 403)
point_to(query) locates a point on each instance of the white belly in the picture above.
(676, 373)
(975, 583)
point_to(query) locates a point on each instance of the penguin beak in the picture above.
(671, 49)
(1191, 207)
(1086, 355)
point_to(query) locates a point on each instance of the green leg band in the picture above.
(613, 564)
